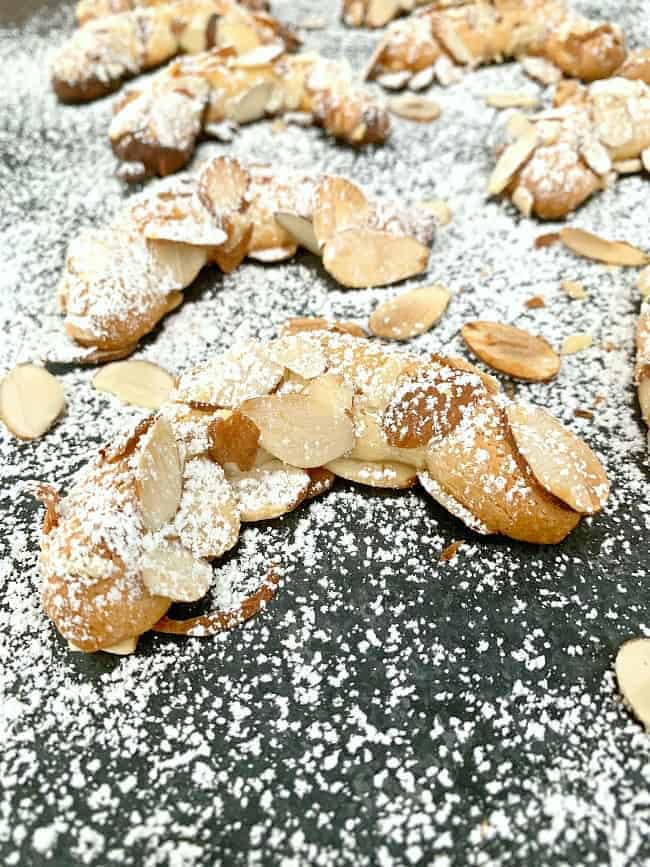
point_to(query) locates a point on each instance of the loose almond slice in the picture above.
(511, 350)
(233, 440)
(300, 229)
(410, 313)
(207, 520)
(561, 462)
(158, 475)
(252, 105)
(415, 108)
(387, 474)
(140, 383)
(576, 343)
(268, 490)
(512, 100)
(594, 247)
(171, 570)
(511, 160)
(307, 429)
(338, 205)
(31, 400)
(360, 258)
(632, 668)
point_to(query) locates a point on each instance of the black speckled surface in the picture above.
(387, 708)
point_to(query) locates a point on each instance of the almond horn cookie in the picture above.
(555, 160)
(87, 10)
(106, 51)
(157, 123)
(119, 281)
(251, 434)
(441, 40)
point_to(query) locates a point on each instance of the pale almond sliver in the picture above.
(573, 289)
(416, 108)
(592, 246)
(31, 400)
(366, 257)
(511, 160)
(512, 350)
(140, 383)
(576, 343)
(632, 668)
(511, 100)
(410, 313)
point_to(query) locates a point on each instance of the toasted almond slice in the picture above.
(416, 108)
(627, 167)
(410, 313)
(31, 400)
(512, 100)
(562, 463)
(158, 474)
(307, 429)
(222, 185)
(451, 504)
(387, 474)
(207, 520)
(365, 257)
(511, 160)
(576, 343)
(300, 229)
(632, 668)
(140, 383)
(268, 490)
(440, 210)
(260, 56)
(338, 204)
(546, 240)
(181, 260)
(512, 350)
(573, 289)
(252, 105)
(233, 440)
(643, 283)
(594, 247)
(171, 570)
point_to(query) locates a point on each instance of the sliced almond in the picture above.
(302, 354)
(546, 240)
(643, 283)
(536, 302)
(233, 440)
(273, 254)
(422, 79)
(541, 70)
(645, 159)
(512, 350)
(123, 648)
(632, 668)
(440, 210)
(269, 489)
(594, 247)
(523, 200)
(307, 429)
(300, 229)
(410, 313)
(511, 160)
(394, 80)
(562, 463)
(207, 520)
(360, 258)
(317, 323)
(262, 55)
(222, 185)
(627, 167)
(376, 475)
(140, 383)
(512, 100)
(31, 400)
(597, 157)
(576, 343)
(338, 204)
(171, 570)
(252, 105)
(573, 289)
(416, 108)
(158, 474)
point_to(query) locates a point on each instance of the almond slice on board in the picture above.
(31, 400)
(416, 108)
(511, 350)
(308, 429)
(300, 229)
(338, 204)
(632, 668)
(511, 160)
(171, 570)
(270, 489)
(562, 463)
(410, 313)
(140, 383)
(359, 258)
(594, 247)
(158, 475)
(385, 474)
(207, 520)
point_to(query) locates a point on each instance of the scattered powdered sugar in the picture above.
(386, 707)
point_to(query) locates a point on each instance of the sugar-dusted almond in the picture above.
(366, 257)
(222, 185)
(385, 474)
(308, 429)
(140, 383)
(632, 667)
(269, 489)
(252, 104)
(562, 463)
(233, 439)
(511, 99)
(511, 160)
(170, 570)
(594, 247)
(338, 205)
(576, 343)
(573, 289)
(410, 313)
(511, 350)
(302, 354)
(207, 520)
(262, 55)
(412, 107)
(158, 474)
(300, 229)
(31, 400)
